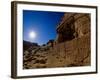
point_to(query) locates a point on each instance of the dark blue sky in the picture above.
(43, 23)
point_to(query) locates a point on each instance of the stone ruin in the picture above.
(73, 25)
(70, 48)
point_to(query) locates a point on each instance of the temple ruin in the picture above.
(73, 25)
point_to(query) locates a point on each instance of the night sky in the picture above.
(43, 23)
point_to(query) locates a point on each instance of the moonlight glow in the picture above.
(32, 35)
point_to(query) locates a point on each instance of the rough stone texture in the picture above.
(71, 47)
(74, 33)
(73, 25)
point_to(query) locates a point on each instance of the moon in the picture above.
(32, 35)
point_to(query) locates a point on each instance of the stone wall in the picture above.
(75, 52)
(73, 39)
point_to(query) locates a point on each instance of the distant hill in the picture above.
(27, 45)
